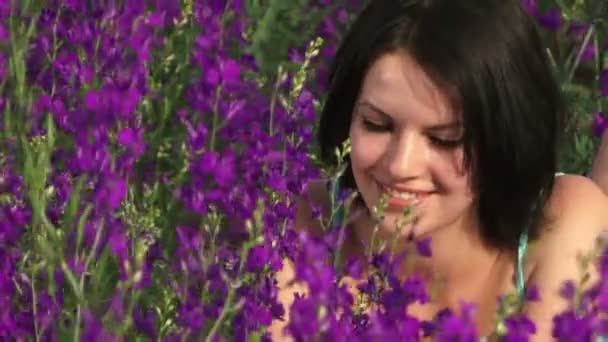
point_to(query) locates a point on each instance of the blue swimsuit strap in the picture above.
(522, 249)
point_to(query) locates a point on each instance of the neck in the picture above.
(461, 265)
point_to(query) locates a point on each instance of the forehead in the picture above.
(400, 87)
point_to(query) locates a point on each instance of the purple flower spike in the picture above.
(132, 139)
(600, 123)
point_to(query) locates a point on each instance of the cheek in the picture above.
(450, 171)
(366, 149)
(456, 181)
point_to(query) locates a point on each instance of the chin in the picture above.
(388, 230)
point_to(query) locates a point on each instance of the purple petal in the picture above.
(531, 6)
(551, 20)
(599, 125)
(604, 83)
(423, 247)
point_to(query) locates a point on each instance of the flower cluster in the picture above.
(148, 177)
(576, 41)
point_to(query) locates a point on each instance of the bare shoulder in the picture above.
(578, 210)
(577, 201)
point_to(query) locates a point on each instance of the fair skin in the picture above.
(405, 136)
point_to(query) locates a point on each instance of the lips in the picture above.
(401, 199)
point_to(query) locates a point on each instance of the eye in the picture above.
(445, 143)
(376, 127)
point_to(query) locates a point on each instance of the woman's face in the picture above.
(407, 143)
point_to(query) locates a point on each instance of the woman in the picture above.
(451, 106)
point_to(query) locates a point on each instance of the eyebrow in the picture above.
(438, 127)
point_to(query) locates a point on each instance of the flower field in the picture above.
(151, 152)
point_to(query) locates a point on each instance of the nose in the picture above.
(406, 157)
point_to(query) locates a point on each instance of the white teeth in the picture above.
(404, 195)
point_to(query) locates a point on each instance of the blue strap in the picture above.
(521, 255)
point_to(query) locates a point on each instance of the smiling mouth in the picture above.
(399, 199)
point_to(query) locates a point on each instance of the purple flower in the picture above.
(207, 162)
(132, 139)
(531, 6)
(112, 193)
(577, 30)
(225, 173)
(145, 322)
(423, 247)
(599, 125)
(588, 53)
(354, 268)
(119, 245)
(551, 20)
(303, 318)
(258, 258)
(191, 317)
(453, 328)
(519, 328)
(399, 298)
(568, 290)
(568, 326)
(230, 72)
(94, 330)
(532, 294)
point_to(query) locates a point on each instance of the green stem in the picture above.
(341, 236)
(218, 90)
(55, 48)
(597, 72)
(273, 99)
(77, 326)
(214, 124)
(230, 298)
(35, 307)
(580, 53)
(373, 241)
(80, 285)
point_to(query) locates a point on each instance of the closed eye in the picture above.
(442, 143)
(376, 127)
(445, 143)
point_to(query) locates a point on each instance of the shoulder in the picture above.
(574, 194)
(578, 213)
